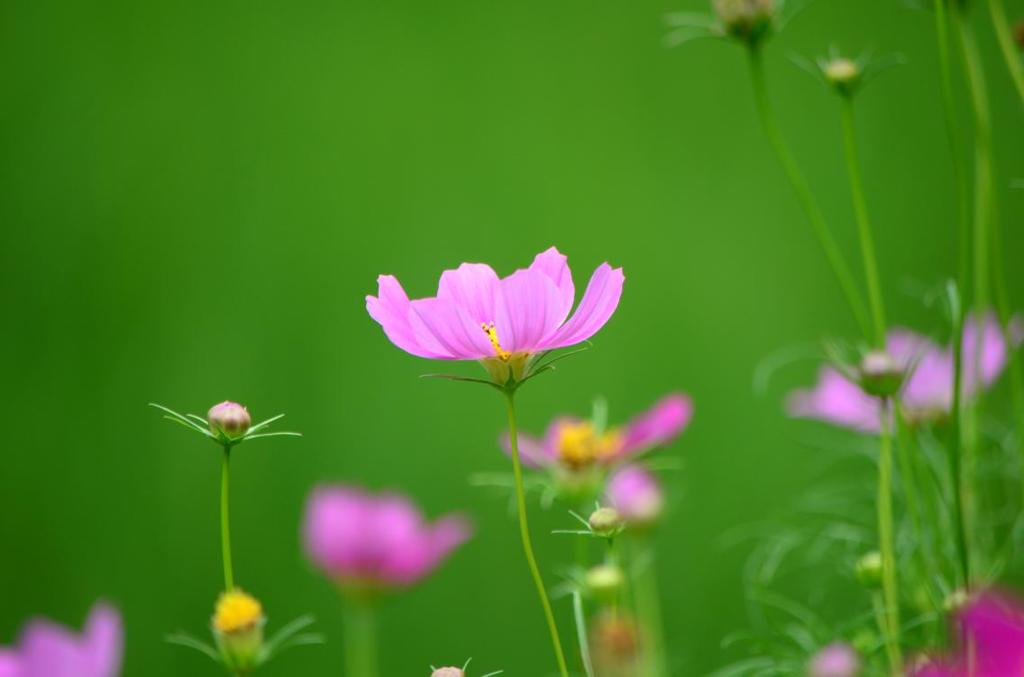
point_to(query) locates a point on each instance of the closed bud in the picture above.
(615, 645)
(238, 627)
(880, 374)
(748, 20)
(844, 74)
(448, 672)
(229, 420)
(605, 521)
(955, 600)
(869, 570)
(604, 581)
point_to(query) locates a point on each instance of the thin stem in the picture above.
(1006, 44)
(360, 639)
(581, 633)
(803, 192)
(225, 520)
(956, 446)
(890, 593)
(867, 245)
(955, 147)
(524, 533)
(648, 608)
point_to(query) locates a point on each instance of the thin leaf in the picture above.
(581, 633)
(263, 424)
(181, 639)
(467, 379)
(289, 629)
(277, 434)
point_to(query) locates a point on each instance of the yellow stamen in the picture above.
(492, 334)
(580, 446)
(236, 611)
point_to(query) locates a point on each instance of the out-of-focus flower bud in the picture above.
(748, 20)
(835, 660)
(615, 646)
(229, 420)
(1018, 33)
(869, 570)
(955, 600)
(604, 581)
(448, 672)
(844, 74)
(605, 521)
(880, 374)
(238, 627)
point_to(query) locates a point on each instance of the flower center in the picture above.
(579, 446)
(492, 334)
(236, 611)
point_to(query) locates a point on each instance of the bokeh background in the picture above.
(195, 197)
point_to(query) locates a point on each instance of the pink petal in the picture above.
(659, 425)
(553, 263)
(993, 625)
(988, 359)
(461, 336)
(532, 452)
(529, 312)
(599, 302)
(49, 649)
(334, 526)
(392, 311)
(835, 400)
(10, 666)
(473, 288)
(104, 641)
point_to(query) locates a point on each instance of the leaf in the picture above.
(277, 434)
(581, 633)
(263, 424)
(180, 418)
(182, 639)
(467, 379)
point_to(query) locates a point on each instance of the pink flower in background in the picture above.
(478, 316)
(576, 444)
(636, 493)
(927, 392)
(991, 640)
(46, 649)
(838, 659)
(376, 541)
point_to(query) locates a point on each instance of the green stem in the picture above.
(955, 147)
(956, 446)
(360, 639)
(867, 244)
(524, 533)
(648, 608)
(803, 192)
(886, 537)
(225, 520)
(581, 634)
(1006, 44)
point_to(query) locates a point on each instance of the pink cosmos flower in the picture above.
(364, 540)
(575, 444)
(838, 659)
(636, 493)
(49, 650)
(927, 391)
(478, 316)
(991, 640)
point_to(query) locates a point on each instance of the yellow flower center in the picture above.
(236, 611)
(492, 334)
(580, 446)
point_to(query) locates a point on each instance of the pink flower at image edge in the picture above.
(46, 649)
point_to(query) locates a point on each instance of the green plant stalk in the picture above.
(524, 533)
(867, 244)
(581, 634)
(1006, 44)
(225, 520)
(360, 638)
(955, 146)
(887, 545)
(956, 449)
(803, 192)
(648, 607)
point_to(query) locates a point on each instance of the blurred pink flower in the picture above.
(838, 659)
(991, 629)
(477, 316)
(928, 389)
(636, 493)
(46, 649)
(375, 541)
(574, 443)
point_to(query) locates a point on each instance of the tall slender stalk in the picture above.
(524, 533)
(225, 520)
(867, 244)
(956, 444)
(648, 607)
(887, 546)
(803, 192)
(360, 638)
(1006, 44)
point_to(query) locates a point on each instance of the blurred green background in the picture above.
(196, 197)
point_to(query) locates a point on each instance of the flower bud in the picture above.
(448, 672)
(748, 20)
(835, 660)
(238, 627)
(604, 581)
(605, 521)
(955, 600)
(880, 374)
(842, 73)
(229, 420)
(869, 570)
(615, 645)
(1018, 34)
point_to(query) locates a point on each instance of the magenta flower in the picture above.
(49, 650)
(502, 322)
(991, 640)
(927, 391)
(367, 541)
(576, 444)
(636, 493)
(838, 659)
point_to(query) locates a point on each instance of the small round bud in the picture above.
(604, 581)
(835, 660)
(748, 20)
(880, 374)
(229, 419)
(238, 627)
(955, 600)
(869, 570)
(448, 672)
(843, 73)
(605, 521)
